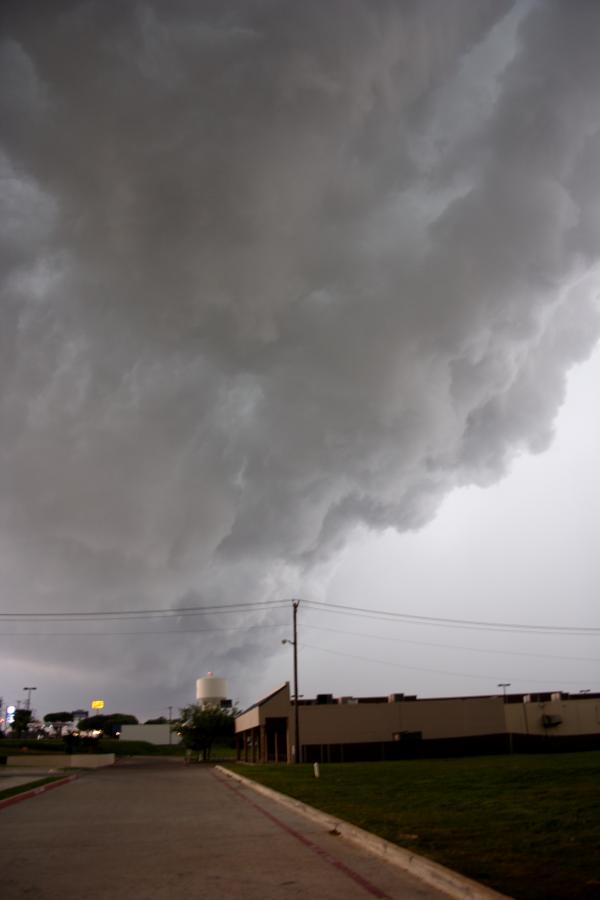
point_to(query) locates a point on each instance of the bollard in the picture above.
(316, 770)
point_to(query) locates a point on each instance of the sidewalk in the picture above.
(15, 776)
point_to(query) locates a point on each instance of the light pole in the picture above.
(294, 643)
(29, 690)
(504, 685)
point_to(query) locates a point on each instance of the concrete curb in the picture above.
(33, 792)
(451, 883)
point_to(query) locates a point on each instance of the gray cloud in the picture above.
(272, 270)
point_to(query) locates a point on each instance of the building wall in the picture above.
(152, 734)
(275, 705)
(278, 704)
(340, 723)
(455, 717)
(62, 760)
(455, 723)
(248, 719)
(578, 716)
(365, 722)
(264, 731)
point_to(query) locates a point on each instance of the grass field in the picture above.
(528, 826)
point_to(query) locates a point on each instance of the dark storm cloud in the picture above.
(271, 269)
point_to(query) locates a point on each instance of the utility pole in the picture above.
(170, 734)
(29, 690)
(294, 643)
(298, 757)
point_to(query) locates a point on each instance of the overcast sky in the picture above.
(298, 300)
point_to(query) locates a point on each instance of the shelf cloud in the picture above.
(272, 270)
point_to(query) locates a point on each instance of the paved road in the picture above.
(158, 830)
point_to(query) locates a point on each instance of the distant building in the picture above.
(398, 726)
(160, 734)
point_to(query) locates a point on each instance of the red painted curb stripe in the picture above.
(26, 795)
(342, 867)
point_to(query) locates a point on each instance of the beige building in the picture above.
(160, 734)
(399, 726)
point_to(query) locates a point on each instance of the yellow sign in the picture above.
(97, 704)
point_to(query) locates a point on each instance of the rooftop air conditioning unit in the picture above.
(324, 699)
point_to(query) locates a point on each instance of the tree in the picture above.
(159, 721)
(110, 725)
(201, 726)
(58, 719)
(21, 722)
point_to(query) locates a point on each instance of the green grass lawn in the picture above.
(528, 826)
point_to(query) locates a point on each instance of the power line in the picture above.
(282, 625)
(125, 614)
(387, 637)
(156, 633)
(387, 615)
(313, 605)
(396, 665)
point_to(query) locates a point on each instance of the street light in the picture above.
(29, 690)
(504, 685)
(294, 643)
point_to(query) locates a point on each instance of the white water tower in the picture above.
(211, 691)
